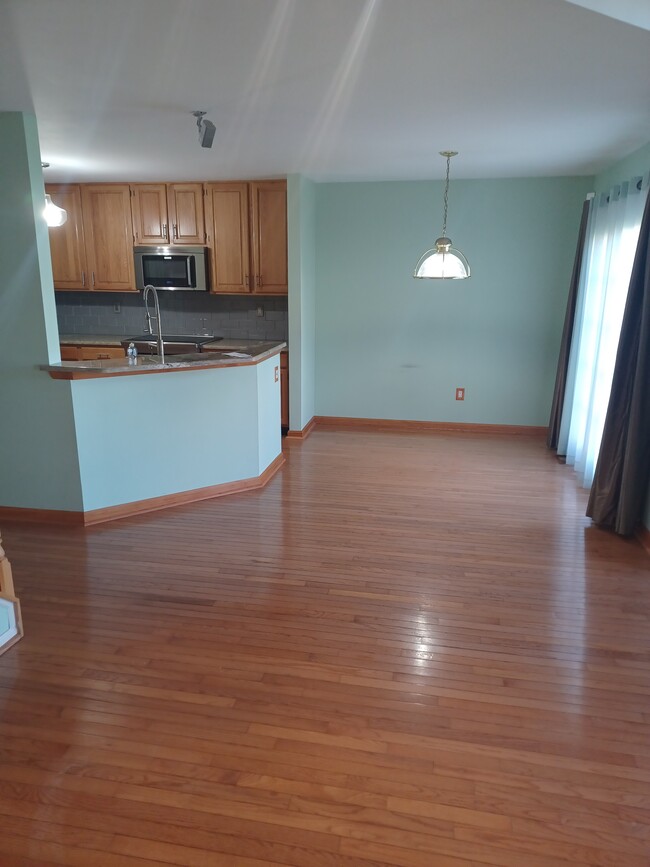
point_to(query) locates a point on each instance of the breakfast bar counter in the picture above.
(149, 442)
(224, 353)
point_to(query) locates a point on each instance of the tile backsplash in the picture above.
(181, 313)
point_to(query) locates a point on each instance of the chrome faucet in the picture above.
(145, 295)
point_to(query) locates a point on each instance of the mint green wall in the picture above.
(38, 460)
(389, 346)
(302, 288)
(637, 163)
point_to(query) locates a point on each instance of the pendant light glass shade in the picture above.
(54, 215)
(443, 262)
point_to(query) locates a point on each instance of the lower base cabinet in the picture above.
(90, 353)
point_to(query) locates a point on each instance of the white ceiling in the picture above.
(333, 89)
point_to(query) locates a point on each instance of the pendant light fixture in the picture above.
(54, 215)
(443, 262)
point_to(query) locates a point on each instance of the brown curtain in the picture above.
(622, 475)
(567, 335)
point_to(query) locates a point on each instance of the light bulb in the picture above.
(54, 215)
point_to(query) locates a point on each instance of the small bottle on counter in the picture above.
(132, 352)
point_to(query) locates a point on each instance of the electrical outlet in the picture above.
(117, 308)
(460, 394)
(260, 311)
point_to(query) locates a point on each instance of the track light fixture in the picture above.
(206, 129)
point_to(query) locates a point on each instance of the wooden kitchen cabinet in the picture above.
(226, 206)
(247, 233)
(185, 204)
(109, 239)
(168, 214)
(150, 218)
(269, 236)
(89, 352)
(244, 224)
(67, 244)
(93, 249)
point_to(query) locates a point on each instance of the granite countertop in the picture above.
(230, 353)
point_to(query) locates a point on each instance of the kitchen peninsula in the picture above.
(146, 442)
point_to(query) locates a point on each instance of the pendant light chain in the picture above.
(444, 222)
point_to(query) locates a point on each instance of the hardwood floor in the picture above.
(407, 650)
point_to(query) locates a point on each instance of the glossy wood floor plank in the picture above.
(408, 649)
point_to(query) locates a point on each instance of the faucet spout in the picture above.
(145, 297)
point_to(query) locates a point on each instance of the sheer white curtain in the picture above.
(612, 235)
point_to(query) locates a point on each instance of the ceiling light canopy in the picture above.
(443, 261)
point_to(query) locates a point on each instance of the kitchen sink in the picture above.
(173, 344)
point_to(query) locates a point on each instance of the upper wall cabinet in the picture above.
(269, 236)
(109, 241)
(226, 207)
(67, 243)
(93, 250)
(247, 231)
(168, 214)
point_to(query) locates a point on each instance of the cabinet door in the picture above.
(227, 211)
(91, 353)
(67, 241)
(150, 221)
(269, 237)
(109, 238)
(185, 205)
(71, 353)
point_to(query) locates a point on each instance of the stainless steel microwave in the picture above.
(175, 268)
